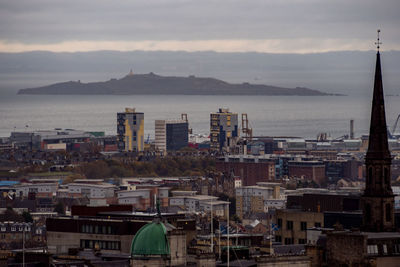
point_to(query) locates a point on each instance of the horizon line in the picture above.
(268, 46)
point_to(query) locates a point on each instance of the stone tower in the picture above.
(378, 198)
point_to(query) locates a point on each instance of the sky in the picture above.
(272, 26)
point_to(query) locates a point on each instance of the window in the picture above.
(368, 212)
(302, 241)
(386, 176)
(289, 241)
(279, 223)
(396, 249)
(388, 211)
(317, 224)
(369, 177)
(289, 225)
(372, 249)
(384, 248)
(303, 227)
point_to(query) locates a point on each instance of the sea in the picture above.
(296, 116)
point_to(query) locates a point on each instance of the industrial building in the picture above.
(223, 130)
(130, 130)
(57, 139)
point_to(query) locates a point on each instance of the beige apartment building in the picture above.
(293, 224)
(258, 198)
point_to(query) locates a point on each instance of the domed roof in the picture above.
(151, 239)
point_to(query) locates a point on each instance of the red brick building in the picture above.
(249, 172)
(310, 170)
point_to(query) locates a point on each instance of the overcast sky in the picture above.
(288, 26)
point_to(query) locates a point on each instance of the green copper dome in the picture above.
(151, 239)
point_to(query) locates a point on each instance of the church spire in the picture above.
(378, 142)
(378, 199)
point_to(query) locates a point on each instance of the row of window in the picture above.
(98, 229)
(290, 240)
(373, 249)
(15, 228)
(388, 212)
(386, 176)
(303, 225)
(100, 244)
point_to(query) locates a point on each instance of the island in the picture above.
(152, 84)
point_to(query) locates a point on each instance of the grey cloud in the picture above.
(46, 21)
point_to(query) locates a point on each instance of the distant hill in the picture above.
(346, 72)
(152, 84)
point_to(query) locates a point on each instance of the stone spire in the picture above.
(378, 142)
(378, 199)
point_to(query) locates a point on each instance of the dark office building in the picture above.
(339, 169)
(177, 135)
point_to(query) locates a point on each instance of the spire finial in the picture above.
(378, 42)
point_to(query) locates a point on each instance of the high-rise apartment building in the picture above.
(223, 130)
(171, 135)
(130, 129)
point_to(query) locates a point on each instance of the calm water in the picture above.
(277, 115)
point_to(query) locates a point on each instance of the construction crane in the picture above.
(395, 124)
(247, 131)
(184, 117)
(390, 132)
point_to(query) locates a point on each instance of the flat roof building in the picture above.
(171, 135)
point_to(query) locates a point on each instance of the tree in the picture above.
(11, 215)
(71, 178)
(96, 170)
(27, 216)
(59, 208)
(236, 218)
